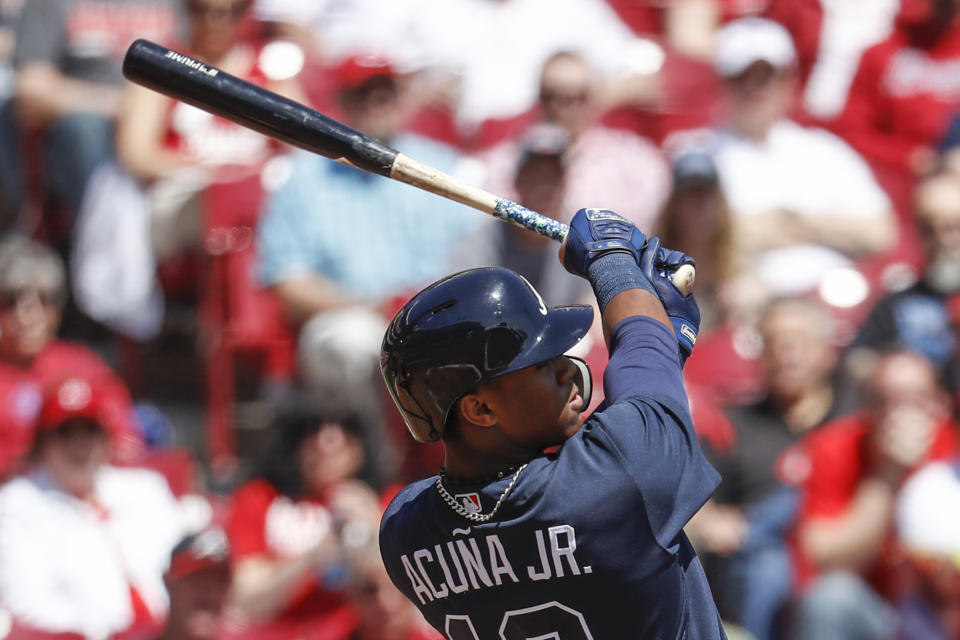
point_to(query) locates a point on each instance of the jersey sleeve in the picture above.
(643, 361)
(648, 427)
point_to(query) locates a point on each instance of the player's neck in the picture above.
(464, 465)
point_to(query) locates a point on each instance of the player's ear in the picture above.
(475, 410)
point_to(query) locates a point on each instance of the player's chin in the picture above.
(571, 421)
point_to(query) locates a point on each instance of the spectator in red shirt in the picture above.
(32, 294)
(291, 525)
(904, 94)
(856, 466)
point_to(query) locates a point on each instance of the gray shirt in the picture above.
(86, 39)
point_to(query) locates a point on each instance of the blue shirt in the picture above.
(370, 235)
(590, 542)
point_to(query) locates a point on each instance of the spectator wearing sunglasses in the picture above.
(623, 170)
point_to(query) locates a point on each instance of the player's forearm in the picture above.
(853, 540)
(44, 94)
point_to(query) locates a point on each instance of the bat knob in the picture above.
(683, 278)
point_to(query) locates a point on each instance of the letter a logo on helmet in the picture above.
(466, 329)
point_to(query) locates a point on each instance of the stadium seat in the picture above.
(236, 316)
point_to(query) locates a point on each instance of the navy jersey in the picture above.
(589, 543)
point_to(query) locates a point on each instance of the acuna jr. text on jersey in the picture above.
(479, 562)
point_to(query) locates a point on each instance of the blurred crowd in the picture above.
(805, 152)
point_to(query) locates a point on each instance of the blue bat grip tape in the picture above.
(536, 222)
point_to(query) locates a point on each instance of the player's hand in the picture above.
(597, 232)
(659, 264)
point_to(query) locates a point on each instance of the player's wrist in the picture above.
(614, 273)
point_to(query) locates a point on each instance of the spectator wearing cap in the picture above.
(608, 167)
(197, 581)
(540, 181)
(928, 525)
(32, 295)
(292, 524)
(331, 288)
(803, 202)
(696, 219)
(724, 369)
(83, 545)
(856, 465)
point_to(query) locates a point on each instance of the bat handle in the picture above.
(528, 219)
(554, 229)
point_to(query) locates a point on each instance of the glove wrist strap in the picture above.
(613, 273)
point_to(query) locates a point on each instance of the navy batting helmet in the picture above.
(466, 329)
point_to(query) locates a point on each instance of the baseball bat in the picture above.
(189, 80)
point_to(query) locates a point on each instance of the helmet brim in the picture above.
(563, 327)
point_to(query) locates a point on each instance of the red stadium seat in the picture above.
(236, 316)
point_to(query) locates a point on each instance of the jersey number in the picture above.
(551, 621)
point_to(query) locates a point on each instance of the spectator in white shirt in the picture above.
(804, 203)
(83, 545)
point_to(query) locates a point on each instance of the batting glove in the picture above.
(658, 265)
(598, 232)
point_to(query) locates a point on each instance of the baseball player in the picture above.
(582, 541)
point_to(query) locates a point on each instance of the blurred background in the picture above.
(194, 438)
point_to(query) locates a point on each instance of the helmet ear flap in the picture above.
(583, 379)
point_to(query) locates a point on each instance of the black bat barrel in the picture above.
(194, 82)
